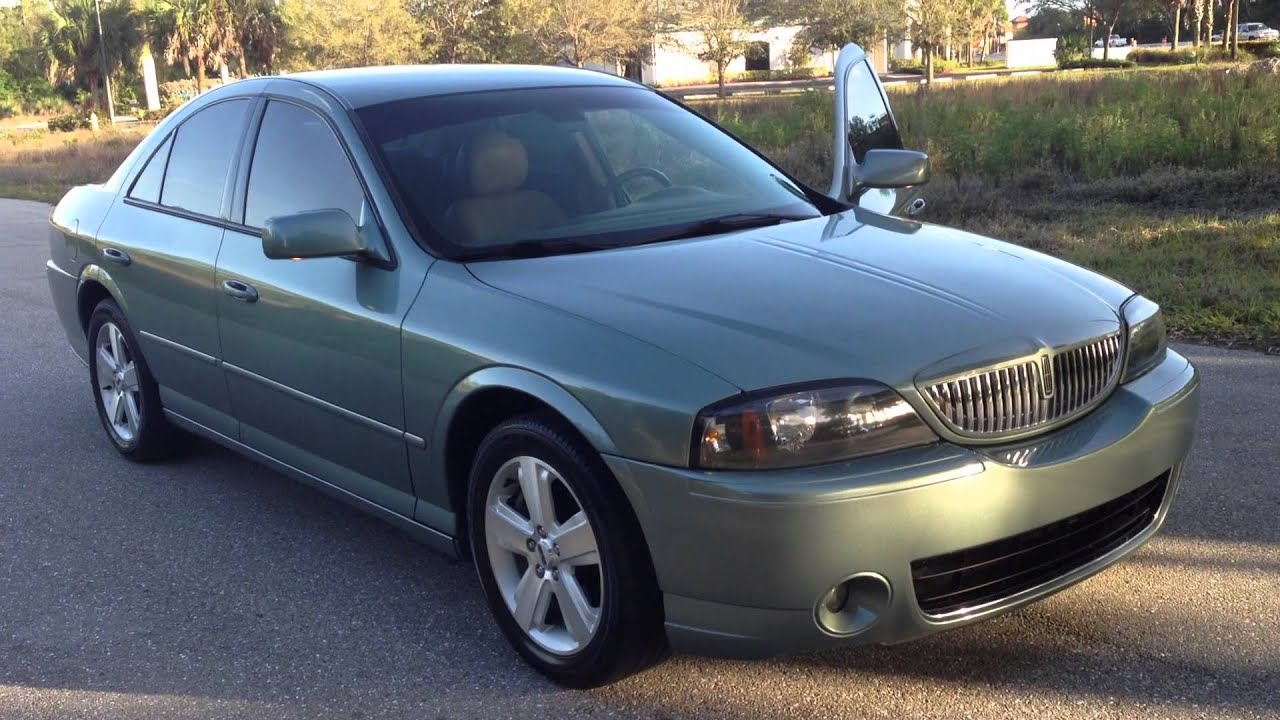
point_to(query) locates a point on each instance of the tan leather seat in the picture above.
(494, 167)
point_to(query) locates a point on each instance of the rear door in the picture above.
(159, 247)
(863, 121)
(311, 347)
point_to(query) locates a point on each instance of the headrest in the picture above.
(495, 163)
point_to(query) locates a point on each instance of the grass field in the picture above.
(1168, 181)
(37, 165)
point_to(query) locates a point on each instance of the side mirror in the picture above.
(312, 234)
(885, 168)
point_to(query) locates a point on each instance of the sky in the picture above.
(1018, 7)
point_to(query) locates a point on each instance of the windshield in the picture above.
(548, 170)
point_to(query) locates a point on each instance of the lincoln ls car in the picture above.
(664, 395)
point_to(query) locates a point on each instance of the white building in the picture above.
(673, 57)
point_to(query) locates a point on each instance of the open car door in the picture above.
(871, 167)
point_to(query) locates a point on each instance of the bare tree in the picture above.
(577, 32)
(831, 24)
(724, 34)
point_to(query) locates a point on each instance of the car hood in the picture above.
(853, 295)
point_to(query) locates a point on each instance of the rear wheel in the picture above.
(127, 397)
(564, 567)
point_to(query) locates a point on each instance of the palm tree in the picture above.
(74, 48)
(255, 28)
(197, 35)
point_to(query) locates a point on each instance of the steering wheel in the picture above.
(619, 181)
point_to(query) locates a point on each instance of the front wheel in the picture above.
(561, 558)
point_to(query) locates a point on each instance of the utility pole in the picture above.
(106, 76)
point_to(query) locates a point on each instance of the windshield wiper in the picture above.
(726, 224)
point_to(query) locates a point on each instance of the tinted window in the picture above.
(631, 141)
(870, 125)
(569, 170)
(147, 186)
(298, 164)
(202, 152)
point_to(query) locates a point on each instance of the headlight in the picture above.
(806, 427)
(1147, 343)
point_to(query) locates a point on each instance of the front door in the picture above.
(311, 348)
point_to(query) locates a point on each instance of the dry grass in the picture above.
(37, 165)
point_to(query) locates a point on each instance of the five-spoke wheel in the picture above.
(125, 393)
(544, 555)
(562, 559)
(117, 376)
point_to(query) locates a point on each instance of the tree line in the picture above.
(58, 40)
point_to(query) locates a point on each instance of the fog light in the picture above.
(853, 605)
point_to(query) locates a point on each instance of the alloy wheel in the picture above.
(544, 555)
(117, 379)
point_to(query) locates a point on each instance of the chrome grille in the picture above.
(1030, 393)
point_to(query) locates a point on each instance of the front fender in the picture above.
(530, 383)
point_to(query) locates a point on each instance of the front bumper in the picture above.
(744, 559)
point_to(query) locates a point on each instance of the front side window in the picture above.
(572, 169)
(203, 149)
(299, 165)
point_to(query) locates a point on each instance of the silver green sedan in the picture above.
(663, 394)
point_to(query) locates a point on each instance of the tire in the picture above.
(122, 384)
(541, 563)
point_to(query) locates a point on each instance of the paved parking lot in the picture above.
(211, 588)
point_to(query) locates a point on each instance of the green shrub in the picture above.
(800, 73)
(1071, 48)
(1149, 56)
(1095, 64)
(176, 92)
(941, 66)
(68, 122)
(32, 96)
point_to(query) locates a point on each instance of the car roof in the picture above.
(361, 87)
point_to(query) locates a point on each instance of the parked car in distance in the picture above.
(1114, 41)
(1251, 31)
(662, 394)
(1257, 31)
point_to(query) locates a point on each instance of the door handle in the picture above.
(116, 256)
(240, 290)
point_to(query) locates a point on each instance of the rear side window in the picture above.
(147, 186)
(202, 152)
(299, 165)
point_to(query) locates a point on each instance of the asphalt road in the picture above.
(211, 588)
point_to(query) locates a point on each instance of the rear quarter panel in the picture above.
(73, 254)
